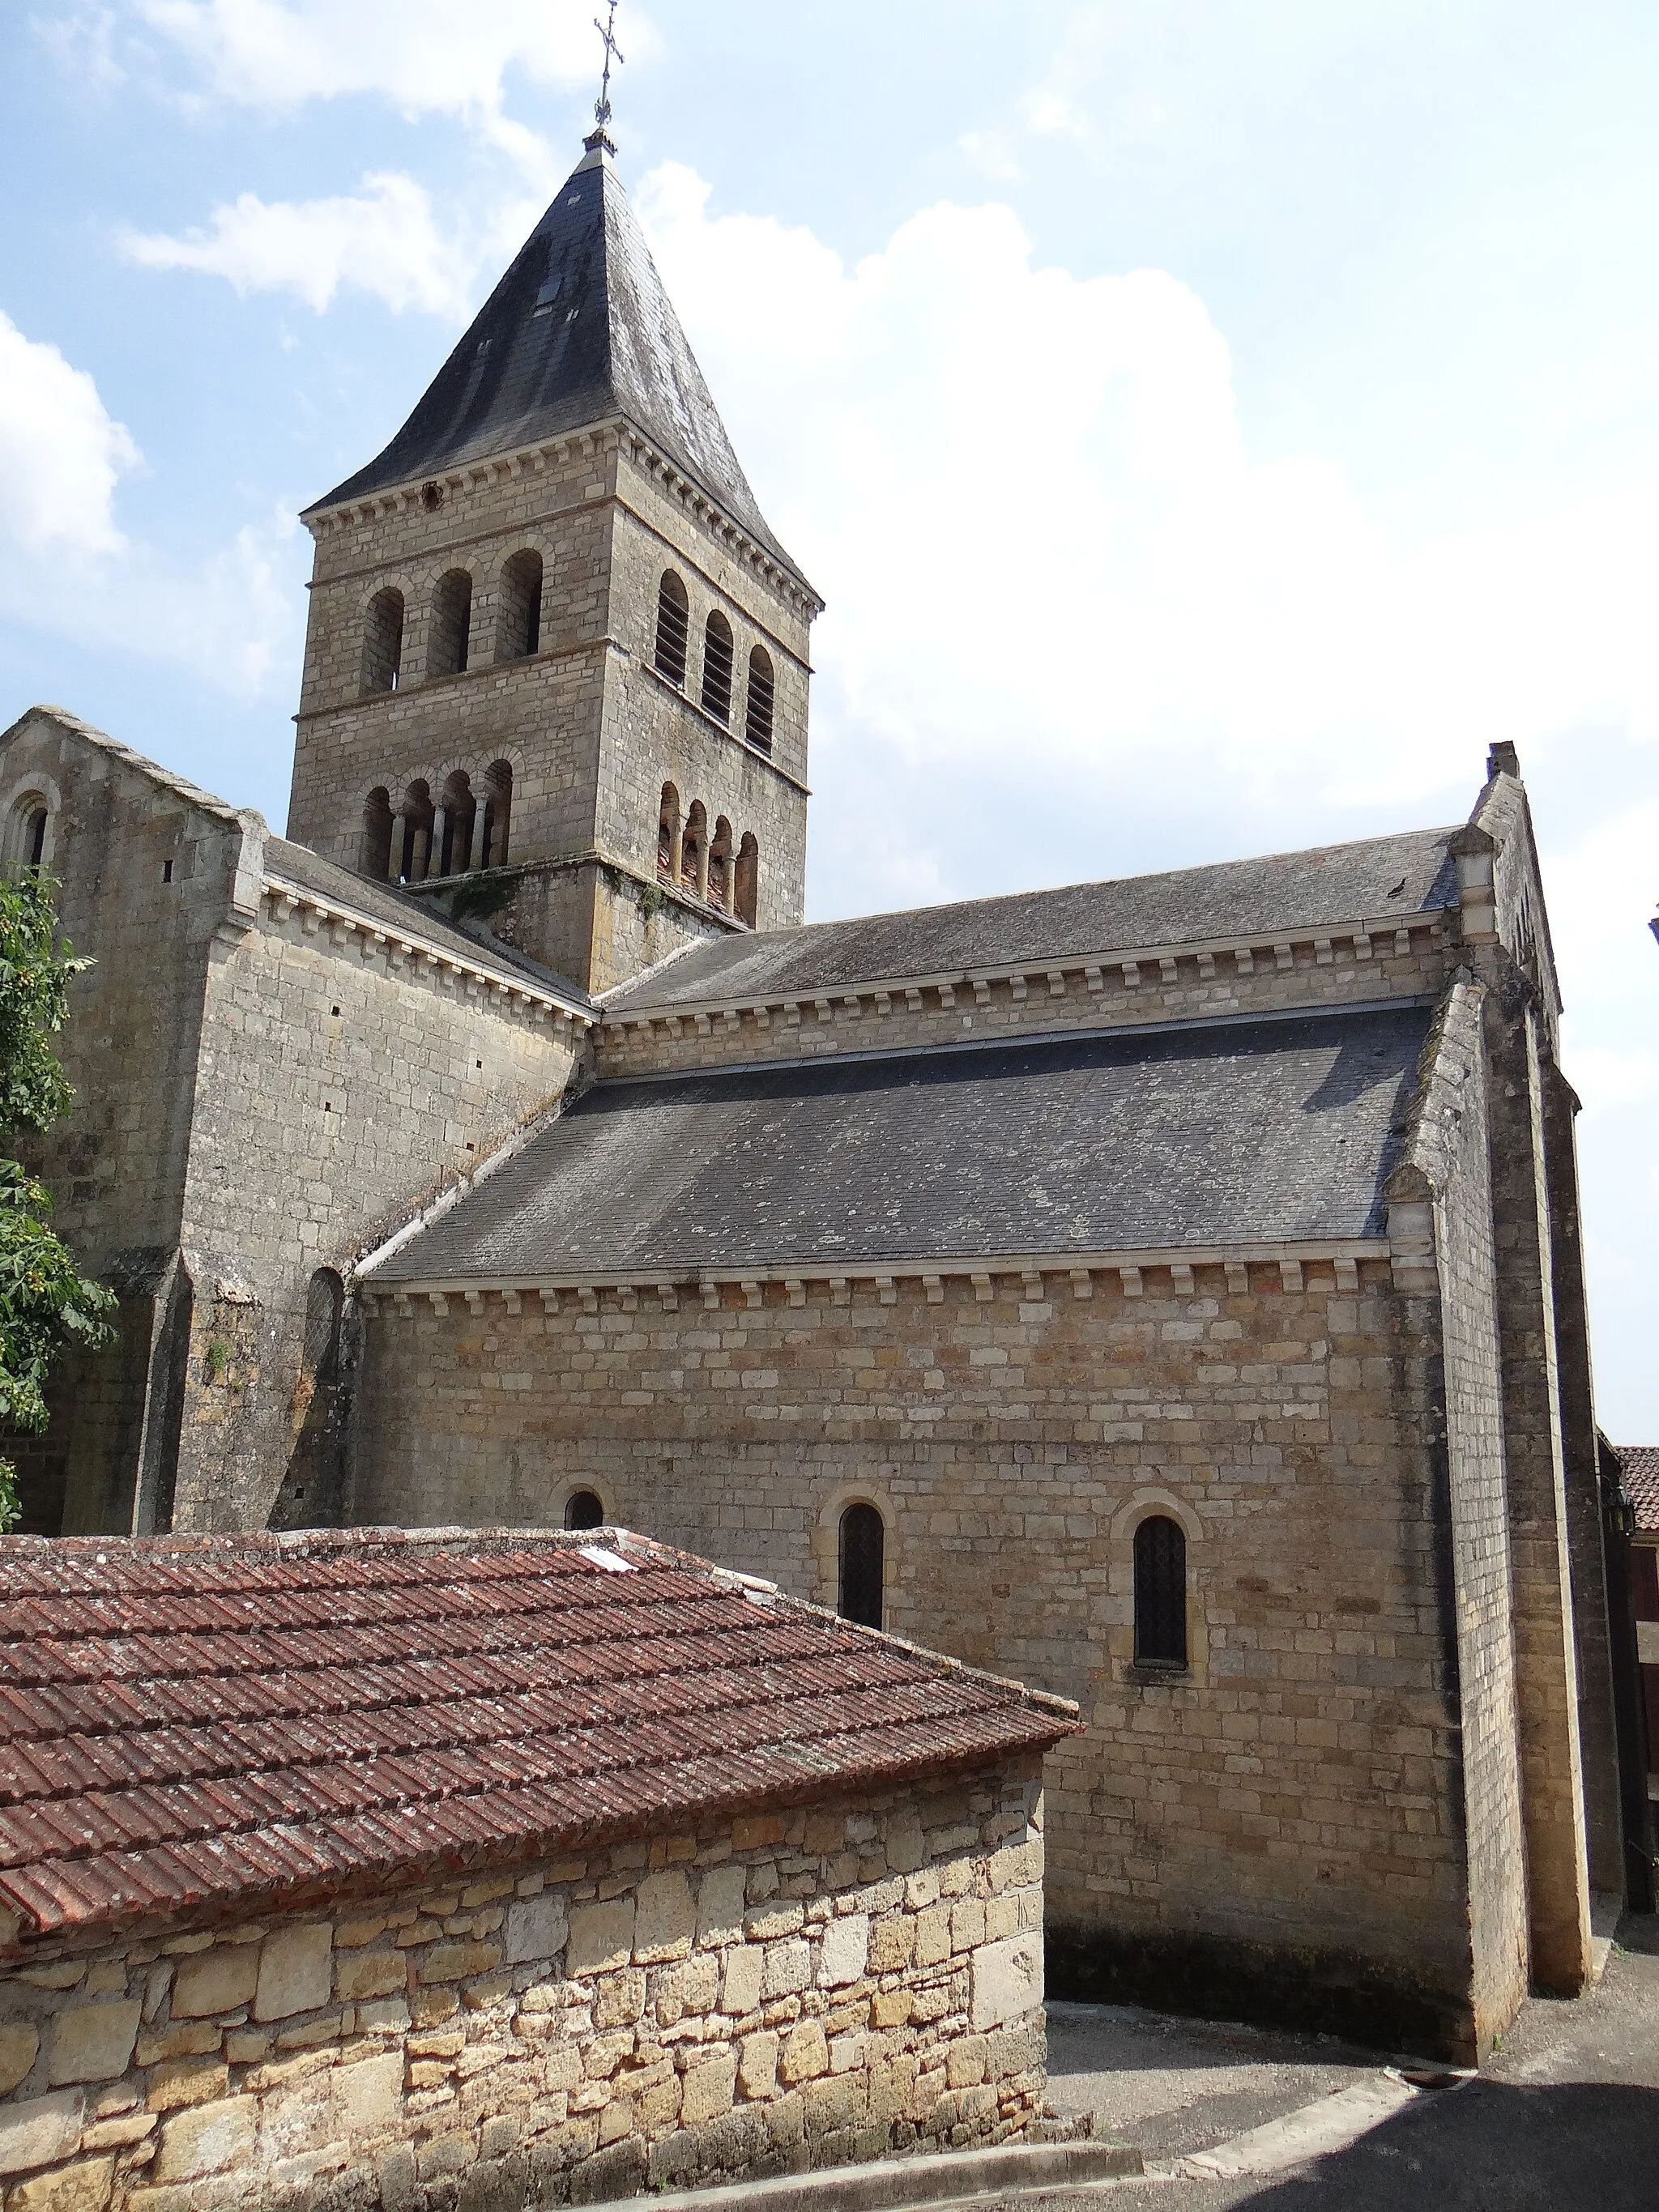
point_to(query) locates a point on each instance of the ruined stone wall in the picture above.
(1348, 968)
(795, 1990)
(344, 1085)
(1294, 1801)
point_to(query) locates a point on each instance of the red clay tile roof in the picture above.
(1641, 1466)
(188, 1723)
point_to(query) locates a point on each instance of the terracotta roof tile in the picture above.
(1641, 1466)
(194, 1723)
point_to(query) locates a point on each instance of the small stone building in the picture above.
(350, 1870)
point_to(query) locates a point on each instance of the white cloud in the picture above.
(61, 453)
(1044, 478)
(385, 240)
(422, 56)
(425, 57)
(65, 564)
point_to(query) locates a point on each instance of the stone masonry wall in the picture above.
(1295, 1798)
(147, 874)
(1457, 1382)
(795, 1991)
(339, 1093)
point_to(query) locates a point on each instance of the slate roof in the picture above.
(1641, 1466)
(1265, 898)
(578, 330)
(1228, 1133)
(191, 1723)
(385, 902)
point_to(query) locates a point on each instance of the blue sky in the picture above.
(1211, 422)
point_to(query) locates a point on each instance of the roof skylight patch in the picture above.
(548, 293)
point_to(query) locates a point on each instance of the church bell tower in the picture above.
(557, 668)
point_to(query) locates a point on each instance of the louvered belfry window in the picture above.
(1160, 1593)
(863, 1549)
(717, 668)
(673, 628)
(757, 714)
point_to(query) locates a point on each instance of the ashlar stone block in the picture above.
(665, 1919)
(1006, 1981)
(296, 1972)
(844, 1951)
(601, 1937)
(40, 2129)
(537, 1927)
(93, 2042)
(20, 2046)
(220, 1980)
(209, 2139)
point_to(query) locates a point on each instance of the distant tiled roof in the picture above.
(1282, 1127)
(1367, 881)
(187, 1723)
(1641, 1466)
(386, 903)
(578, 330)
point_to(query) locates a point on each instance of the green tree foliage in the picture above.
(45, 1303)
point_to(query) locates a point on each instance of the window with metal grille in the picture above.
(1160, 1593)
(863, 1552)
(717, 668)
(583, 1510)
(673, 628)
(757, 719)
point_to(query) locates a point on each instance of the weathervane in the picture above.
(613, 52)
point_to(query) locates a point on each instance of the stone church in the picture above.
(1167, 1291)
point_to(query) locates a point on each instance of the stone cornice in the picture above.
(398, 946)
(1058, 978)
(1076, 1272)
(544, 452)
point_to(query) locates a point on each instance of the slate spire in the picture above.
(578, 330)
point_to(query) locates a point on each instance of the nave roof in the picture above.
(1262, 1130)
(1372, 879)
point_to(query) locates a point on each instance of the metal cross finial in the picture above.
(613, 52)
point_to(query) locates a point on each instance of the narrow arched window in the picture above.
(720, 866)
(583, 1509)
(673, 628)
(863, 1565)
(519, 627)
(324, 1303)
(670, 849)
(763, 692)
(374, 853)
(745, 894)
(383, 642)
(412, 846)
(1160, 1593)
(717, 668)
(497, 815)
(450, 631)
(34, 836)
(694, 851)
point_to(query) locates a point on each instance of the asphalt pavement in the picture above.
(1564, 2116)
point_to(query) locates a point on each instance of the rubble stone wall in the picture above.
(794, 1990)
